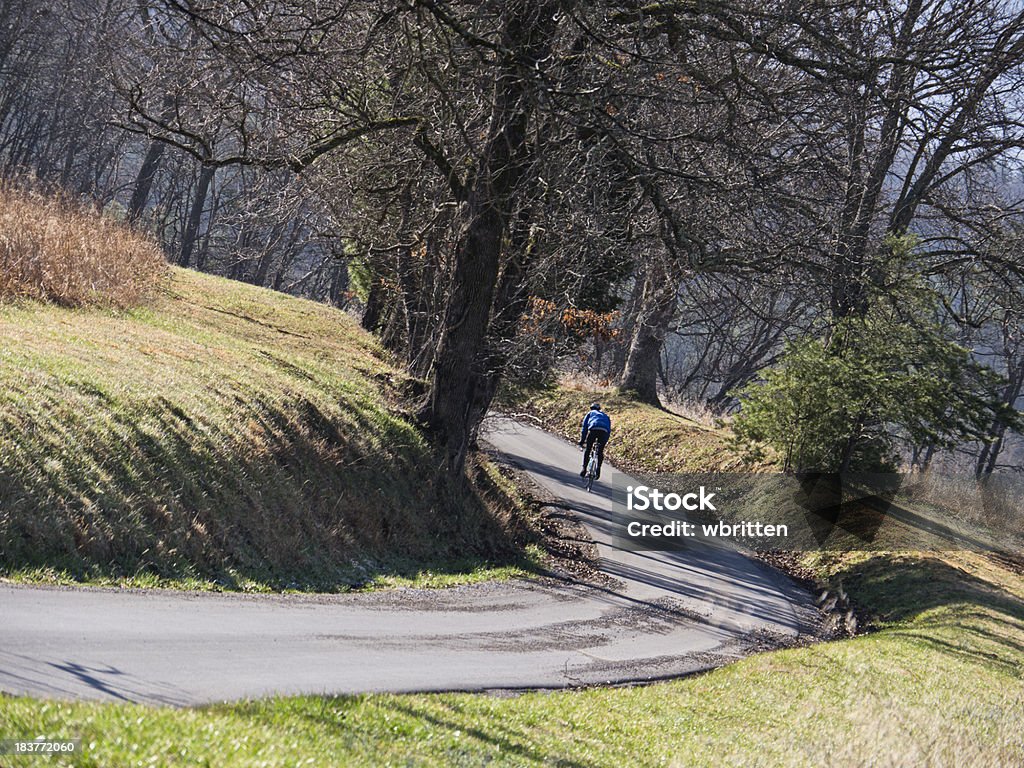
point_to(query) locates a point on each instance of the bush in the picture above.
(844, 402)
(53, 249)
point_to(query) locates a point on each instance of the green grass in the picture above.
(941, 683)
(224, 437)
(357, 576)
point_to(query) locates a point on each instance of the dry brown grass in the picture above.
(54, 249)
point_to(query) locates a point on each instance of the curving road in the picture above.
(664, 615)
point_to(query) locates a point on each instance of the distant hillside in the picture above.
(224, 434)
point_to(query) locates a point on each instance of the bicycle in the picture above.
(591, 475)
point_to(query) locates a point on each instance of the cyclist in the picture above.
(597, 428)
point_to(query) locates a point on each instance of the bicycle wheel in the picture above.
(591, 472)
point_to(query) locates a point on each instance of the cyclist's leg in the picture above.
(602, 440)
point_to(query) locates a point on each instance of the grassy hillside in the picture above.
(939, 682)
(221, 435)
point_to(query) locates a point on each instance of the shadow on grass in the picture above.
(330, 501)
(906, 590)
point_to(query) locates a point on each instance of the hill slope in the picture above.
(223, 433)
(939, 682)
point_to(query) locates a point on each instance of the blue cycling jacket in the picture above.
(595, 420)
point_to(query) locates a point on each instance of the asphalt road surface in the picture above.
(662, 615)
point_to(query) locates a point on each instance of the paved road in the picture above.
(665, 615)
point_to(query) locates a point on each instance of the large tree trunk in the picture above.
(428, 302)
(374, 309)
(851, 271)
(657, 308)
(620, 345)
(339, 282)
(144, 181)
(406, 341)
(461, 382)
(195, 215)
(990, 451)
(266, 259)
(511, 299)
(457, 372)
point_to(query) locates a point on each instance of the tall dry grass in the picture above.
(54, 249)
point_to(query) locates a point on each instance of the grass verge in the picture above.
(941, 683)
(225, 437)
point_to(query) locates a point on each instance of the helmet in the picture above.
(595, 406)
